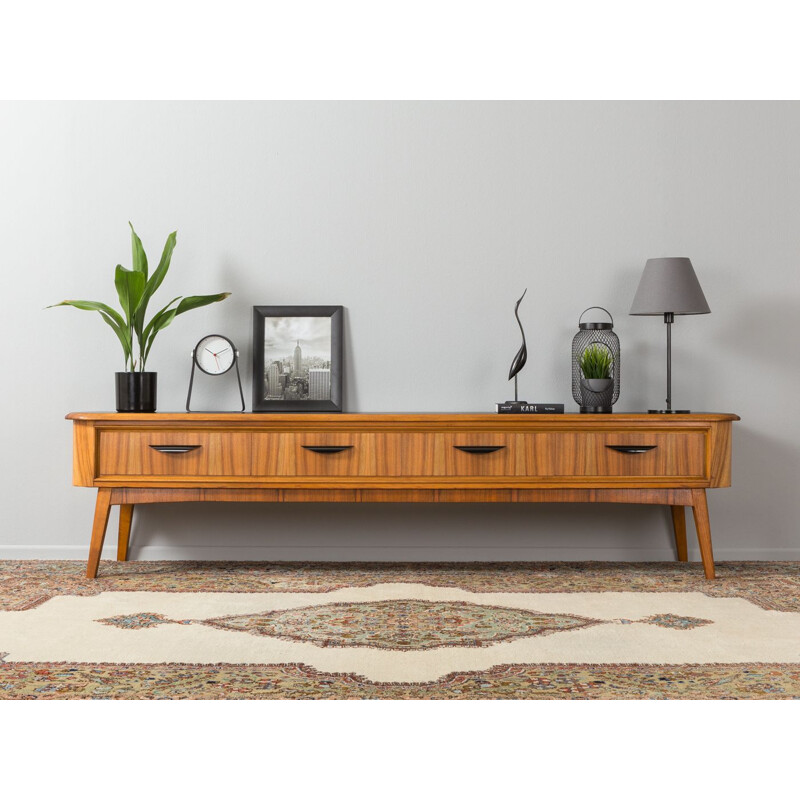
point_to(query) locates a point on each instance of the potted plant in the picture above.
(596, 363)
(136, 388)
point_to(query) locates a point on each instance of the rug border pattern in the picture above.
(739, 681)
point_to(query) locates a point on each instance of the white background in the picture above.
(432, 50)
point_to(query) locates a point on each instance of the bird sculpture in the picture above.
(522, 354)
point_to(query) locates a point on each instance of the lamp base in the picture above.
(668, 411)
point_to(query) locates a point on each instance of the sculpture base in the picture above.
(667, 411)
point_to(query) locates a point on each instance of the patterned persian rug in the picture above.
(222, 630)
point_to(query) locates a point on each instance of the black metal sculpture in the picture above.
(522, 354)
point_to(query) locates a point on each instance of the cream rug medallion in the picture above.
(311, 630)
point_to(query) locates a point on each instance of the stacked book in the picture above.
(520, 407)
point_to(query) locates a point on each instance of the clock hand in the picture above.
(222, 351)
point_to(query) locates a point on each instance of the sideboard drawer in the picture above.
(645, 454)
(651, 454)
(478, 454)
(331, 455)
(173, 453)
(384, 455)
(432, 455)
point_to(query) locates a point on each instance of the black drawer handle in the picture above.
(327, 448)
(175, 448)
(631, 448)
(478, 449)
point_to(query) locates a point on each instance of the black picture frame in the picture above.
(261, 402)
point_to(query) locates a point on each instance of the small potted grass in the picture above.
(597, 380)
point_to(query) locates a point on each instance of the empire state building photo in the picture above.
(297, 358)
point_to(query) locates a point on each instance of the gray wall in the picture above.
(426, 221)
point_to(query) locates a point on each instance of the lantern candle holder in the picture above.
(595, 365)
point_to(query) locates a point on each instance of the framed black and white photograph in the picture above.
(297, 358)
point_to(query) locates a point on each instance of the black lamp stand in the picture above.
(669, 318)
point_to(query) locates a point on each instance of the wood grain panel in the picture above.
(130, 452)
(456, 462)
(390, 422)
(398, 495)
(720, 455)
(319, 495)
(84, 462)
(407, 454)
(665, 497)
(430, 455)
(230, 453)
(556, 454)
(587, 454)
(357, 460)
(172, 495)
(272, 454)
(660, 497)
(474, 495)
(675, 454)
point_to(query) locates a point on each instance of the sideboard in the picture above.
(410, 458)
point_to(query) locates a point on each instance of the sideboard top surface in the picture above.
(250, 418)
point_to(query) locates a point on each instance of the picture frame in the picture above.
(302, 377)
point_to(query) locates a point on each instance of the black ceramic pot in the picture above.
(136, 391)
(596, 395)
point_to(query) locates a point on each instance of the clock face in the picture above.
(214, 354)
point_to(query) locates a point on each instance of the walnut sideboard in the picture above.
(418, 458)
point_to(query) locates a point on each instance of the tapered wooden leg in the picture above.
(703, 525)
(125, 519)
(101, 510)
(679, 524)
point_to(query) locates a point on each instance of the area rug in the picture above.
(247, 630)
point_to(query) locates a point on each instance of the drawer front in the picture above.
(651, 454)
(470, 455)
(440, 455)
(173, 454)
(384, 455)
(318, 455)
(558, 454)
(616, 454)
(561, 455)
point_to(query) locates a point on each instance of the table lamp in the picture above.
(669, 286)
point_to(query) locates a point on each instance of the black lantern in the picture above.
(595, 365)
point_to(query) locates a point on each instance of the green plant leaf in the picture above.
(166, 315)
(152, 285)
(158, 323)
(135, 289)
(124, 336)
(138, 254)
(130, 286)
(197, 301)
(110, 317)
(90, 305)
(156, 317)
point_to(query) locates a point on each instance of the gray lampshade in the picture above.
(669, 285)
